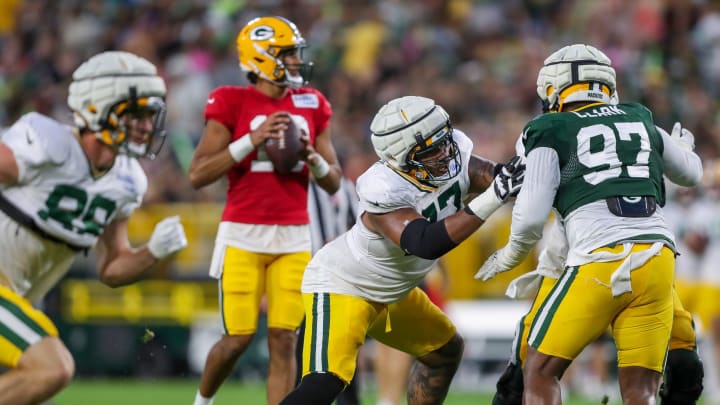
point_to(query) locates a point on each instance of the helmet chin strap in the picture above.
(136, 149)
(293, 81)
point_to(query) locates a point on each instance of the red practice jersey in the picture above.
(256, 194)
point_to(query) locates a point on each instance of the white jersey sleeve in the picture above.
(33, 146)
(378, 194)
(56, 188)
(681, 166)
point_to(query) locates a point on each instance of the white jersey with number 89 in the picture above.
(57, 189)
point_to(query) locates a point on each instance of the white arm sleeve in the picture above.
(533, 204)
(681, 166)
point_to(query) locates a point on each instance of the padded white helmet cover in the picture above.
(578, 63)
(105, 80)
(398, 124)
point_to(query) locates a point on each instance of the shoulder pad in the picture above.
(380, 189)
(42, 137)
(132, 174)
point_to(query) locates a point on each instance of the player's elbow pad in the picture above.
(428, 240)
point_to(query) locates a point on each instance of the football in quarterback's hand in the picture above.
(285, 152)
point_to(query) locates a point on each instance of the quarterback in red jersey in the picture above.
(263, 241)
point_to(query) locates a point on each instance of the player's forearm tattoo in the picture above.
(482, 172)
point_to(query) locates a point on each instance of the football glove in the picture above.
(491, 267)
(507, 182)
(167, 238)
(509, 178)
(683, 137)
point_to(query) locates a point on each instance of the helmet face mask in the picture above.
(576, 73)
(140, 126)
(413, 135)
(119, 97)
(439, 161)
(264, 47)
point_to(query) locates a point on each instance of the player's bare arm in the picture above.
(212, 157)
(323, 149)
(8, 167)
(482, 172)
(119, 263)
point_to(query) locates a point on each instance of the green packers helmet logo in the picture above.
(262, 33)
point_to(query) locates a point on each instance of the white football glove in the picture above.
(683, 137)
(167, 238)
(491, 267)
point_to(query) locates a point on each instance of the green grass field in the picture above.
(170, 392)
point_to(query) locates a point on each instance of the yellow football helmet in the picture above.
(264, 42)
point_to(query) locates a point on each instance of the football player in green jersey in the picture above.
(600, 166)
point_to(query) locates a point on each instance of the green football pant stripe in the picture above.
(547, 310)
(320, 331)
(21, 330)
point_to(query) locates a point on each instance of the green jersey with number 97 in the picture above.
(604, 151)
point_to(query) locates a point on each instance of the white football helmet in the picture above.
(413, 134)
(112, 93)
(576, 73)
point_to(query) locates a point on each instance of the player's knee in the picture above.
(449, 354)
(453, 350)
(683, 378)
(235, 345)
(56, 375)
(315, 388)
(509, 386)
(282, 340)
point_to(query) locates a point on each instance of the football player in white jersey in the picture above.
(68, 189)
(412, 211)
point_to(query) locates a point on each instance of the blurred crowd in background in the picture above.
(477, 58)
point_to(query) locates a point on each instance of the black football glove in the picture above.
(509, 178)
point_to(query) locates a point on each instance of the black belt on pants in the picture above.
(25, 220)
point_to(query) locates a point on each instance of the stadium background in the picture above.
(479, 59)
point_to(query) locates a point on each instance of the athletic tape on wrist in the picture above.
(241, 147)
(485, 204)
(320, 169)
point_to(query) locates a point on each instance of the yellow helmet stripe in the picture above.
(415, 182)
(579, 87)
